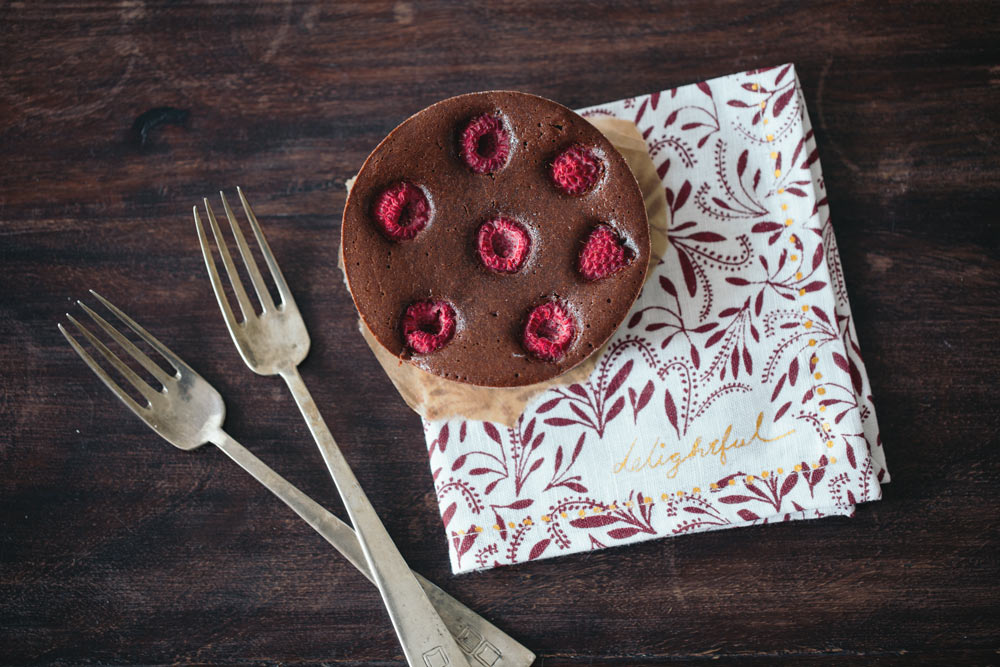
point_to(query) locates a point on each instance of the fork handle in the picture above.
(422, 634)
(477, 637)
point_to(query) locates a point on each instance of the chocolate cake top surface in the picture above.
(495, 238)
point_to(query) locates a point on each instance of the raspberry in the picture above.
(503, 244)
(576, 170)
(485, 144)
(428, 325)
(402, 210)
(604, 253)
(549, 331)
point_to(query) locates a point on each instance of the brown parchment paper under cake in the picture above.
(435, 398)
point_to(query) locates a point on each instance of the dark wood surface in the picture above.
(116, 117)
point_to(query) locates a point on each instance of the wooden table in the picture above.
(116, 117)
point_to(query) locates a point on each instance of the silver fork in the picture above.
(274, 343)
(188, 412)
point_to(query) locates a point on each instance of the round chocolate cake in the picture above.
(495, 238)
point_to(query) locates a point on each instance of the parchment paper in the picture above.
(435, 398)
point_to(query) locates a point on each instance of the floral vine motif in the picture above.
(775, 98)
(693, 257)
(462, 543)
(734, 351)
(559, 478)
(635, 517)
(680, 415)
(746, 204)
(466, 491)
(696, 117)
(704, 512)
(675, 327)
(590, 401)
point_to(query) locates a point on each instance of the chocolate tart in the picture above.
(494, 238)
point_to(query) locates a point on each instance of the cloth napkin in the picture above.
(734, 394)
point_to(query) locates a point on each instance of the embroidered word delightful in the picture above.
(674, 460)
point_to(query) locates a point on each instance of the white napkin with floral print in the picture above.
(733, 395)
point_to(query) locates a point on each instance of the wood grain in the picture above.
(116, 117)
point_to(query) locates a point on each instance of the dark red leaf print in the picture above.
(728, 312)
(777, 387)
(559, 456)
(462, 431)
(840, 361)
(762, 227)
(736, 362)
(671, 118)
(741, 163)
(703, 87)
(747, 515)
(579, 488)
(560, 421)
(632, 322)
(618, 379)
(701, 142)
(850, 497)
(850, 457)
(715, 338)
(481, 471)
(704, 328)
(814, 286)
(615, 409)
(798, 192)
(782, 101)
(722, 204)
(817, 475)
(492, 485)
(818, 256)
(781, 74)
(789, 484)
(593, 521)
(782, 410)
(466, 542)
(661, 171)
(644, 396)
(691, 126)
(684, 225)
(577, 449)
(694, 510)
(647, 132)
(734, 280)
(695, 357)
(758, 303)
(528, 431)
(738, 104)
(668, 286)
(538, 549)
(538, 441)
(707, 237)
(459, 462)
(641, 111)
(797, 507)
(812, 158)
(449, 512)
(520, 504)
(747, 361)
(777, 162)
(654, 99)
(798, 149)
(622, 533)
(492, 431)
(535, 466)
(793, 371)
(682, 196)
(734, 500)
(670, 409)
(442, 439)
(548, 405)
(855, 376)
(753, 329)
(756, 179)
(820, 314)
(688, 270)
(578, 390)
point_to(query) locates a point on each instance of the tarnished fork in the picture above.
(188, 412)
(274, 343)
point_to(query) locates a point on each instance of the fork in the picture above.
(274, 343)
(188, 412)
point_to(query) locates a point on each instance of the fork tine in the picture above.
(138, 354)
(265, 249)
(154, 343)
(213, 273)
(103, 374)
(227, 261)
(141, 386)
(248, 258)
